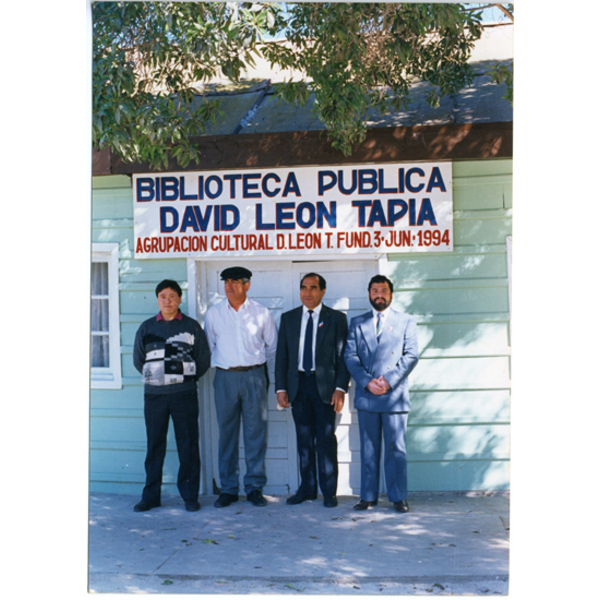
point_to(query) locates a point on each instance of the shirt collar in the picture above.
(244, 305)
(178, 316)
(384, 313)
(316, 310)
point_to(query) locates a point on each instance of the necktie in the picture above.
(379, 328)
(307, 360)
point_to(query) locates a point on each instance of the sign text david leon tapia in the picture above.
(387, 208)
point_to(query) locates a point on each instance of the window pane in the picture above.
(100, 279)
(100, 315)
(100, 351)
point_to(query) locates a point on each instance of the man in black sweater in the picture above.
(172, 353)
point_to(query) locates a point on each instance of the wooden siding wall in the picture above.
(458, 436)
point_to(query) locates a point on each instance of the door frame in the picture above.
(197, 305)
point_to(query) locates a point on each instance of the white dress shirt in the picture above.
(241, 338)
(384, 314)
(315, 317)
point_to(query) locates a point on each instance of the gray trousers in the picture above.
(393, 426)
(241, 395)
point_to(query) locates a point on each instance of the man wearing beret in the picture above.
(242, 337)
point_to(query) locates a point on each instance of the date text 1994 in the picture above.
(432, 237)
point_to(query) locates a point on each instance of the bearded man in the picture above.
(380, 353)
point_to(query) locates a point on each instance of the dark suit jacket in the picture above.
(394, 357)
(330, 369)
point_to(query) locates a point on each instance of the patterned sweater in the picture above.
(170, 355)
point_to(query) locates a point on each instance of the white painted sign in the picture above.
(387, 208)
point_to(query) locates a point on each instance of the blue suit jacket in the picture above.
(331, 371)
(394, 357)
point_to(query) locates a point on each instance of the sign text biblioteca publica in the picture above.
(333, 210)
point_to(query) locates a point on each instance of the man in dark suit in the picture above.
(310, 374)
(380, 353)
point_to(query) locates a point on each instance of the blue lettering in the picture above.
(367, 181)
(426, 213)
(411, 211)
(144, 189)
(291, 185)
(259, 219)
(232, 187)
(203, 219)
(401, 180)
(209, 193)
(322, 213)
(436, 180)
(189, 219)
(352, 187)
(165, 211)
(382, 188)
(311, 215)
(229, 209)
(393, 216)
(377, 214)
(361, 205)
(280, 215)
(248, 186)
(266, 190)
(323, 185)
(409, 174)
(182, 194)
(169, 188)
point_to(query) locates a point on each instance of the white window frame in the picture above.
(110, 377)
(509, 261)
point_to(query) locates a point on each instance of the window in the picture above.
(105, 331)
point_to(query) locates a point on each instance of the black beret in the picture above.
(236, 273)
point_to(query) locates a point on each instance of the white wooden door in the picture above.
(347, 283)
(276, 284)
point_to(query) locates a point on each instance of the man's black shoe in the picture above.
(225, 499)
(330, 502)
(143, 506)
(364, 504)
(256, 497)
(401, 506)
(192, 505)
(298, 498)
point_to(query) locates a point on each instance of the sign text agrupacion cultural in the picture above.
(314, 210)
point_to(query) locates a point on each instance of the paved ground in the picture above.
(447, 544)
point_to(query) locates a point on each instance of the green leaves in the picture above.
(364, 56)
(503, 74)
(149, 58)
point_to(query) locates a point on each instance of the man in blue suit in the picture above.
(311, 375)
(380, 353)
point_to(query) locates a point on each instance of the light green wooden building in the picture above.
(459, 426)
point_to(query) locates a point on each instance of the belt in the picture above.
(251, 368)
(305, 374)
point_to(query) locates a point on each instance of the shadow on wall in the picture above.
(458, 435)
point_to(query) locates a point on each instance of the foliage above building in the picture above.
(151, 60)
